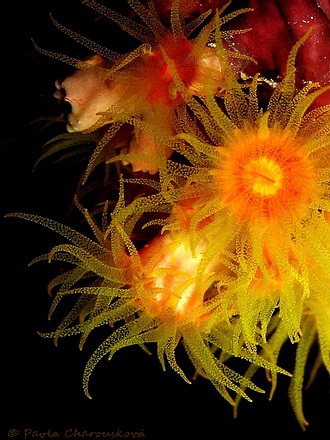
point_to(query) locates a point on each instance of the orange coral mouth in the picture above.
(264, 176)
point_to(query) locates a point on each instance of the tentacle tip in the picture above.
(87, 393)
(35, 45)
(10, 214)
(303, 424)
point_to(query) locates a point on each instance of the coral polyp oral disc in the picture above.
(266, 179)
(264, 175)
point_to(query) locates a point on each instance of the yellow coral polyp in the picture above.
(163, 302)
(260, 180)
(139, 87)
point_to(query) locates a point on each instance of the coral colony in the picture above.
(228, 169)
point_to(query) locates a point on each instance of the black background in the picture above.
(41, 383)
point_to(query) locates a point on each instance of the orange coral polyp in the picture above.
(267, 178)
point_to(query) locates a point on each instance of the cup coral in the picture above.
(239, 197)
